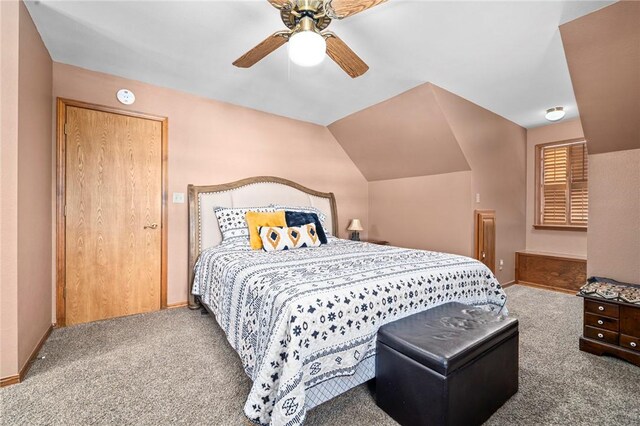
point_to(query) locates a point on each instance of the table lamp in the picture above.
(355, 227)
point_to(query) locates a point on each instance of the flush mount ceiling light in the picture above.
(307, 48)
(555, 114)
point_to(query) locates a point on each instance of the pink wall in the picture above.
(552, 241)
(34, 181)
(603, 55)
(213, 142)
(405, 136)
(9, 30)
(25, 221)
(495, 149)
(435, 211)
(614, 215)
(426, 212)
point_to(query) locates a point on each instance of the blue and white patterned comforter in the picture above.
(300, 317)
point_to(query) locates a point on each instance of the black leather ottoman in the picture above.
(451, 365)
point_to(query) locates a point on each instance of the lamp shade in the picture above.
(355, 225)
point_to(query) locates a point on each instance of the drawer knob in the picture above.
(633, 344)
(600, 322)
(601, 308)
(600, 335)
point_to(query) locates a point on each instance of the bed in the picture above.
(304, 322)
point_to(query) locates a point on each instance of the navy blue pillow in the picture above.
(302, 218)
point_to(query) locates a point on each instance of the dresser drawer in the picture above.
(601, 308)
(600, 321)
(630, 342)
(599, 334)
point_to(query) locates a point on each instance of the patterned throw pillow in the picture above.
(257, 219)
(287, 238)
(296, 218)
(232, 220)
(306, 209)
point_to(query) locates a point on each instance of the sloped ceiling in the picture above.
(603, 53)
(503, 55)
(405, 136)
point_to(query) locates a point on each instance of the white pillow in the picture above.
(232, 222)
(275, 238)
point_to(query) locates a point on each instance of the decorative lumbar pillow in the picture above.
(306, 209)
(287, 238)
(231, 220)
(298, 218)
(257, 219)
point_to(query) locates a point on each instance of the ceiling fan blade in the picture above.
(265, 47)
(344, 56)
(278, 4)
(340, 9)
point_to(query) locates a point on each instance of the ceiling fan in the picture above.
(306, 21)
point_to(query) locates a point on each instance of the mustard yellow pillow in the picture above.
(258, 219)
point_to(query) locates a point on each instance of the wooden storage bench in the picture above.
(559, 272)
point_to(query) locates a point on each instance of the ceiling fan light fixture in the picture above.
(555, 114)
(307, 48)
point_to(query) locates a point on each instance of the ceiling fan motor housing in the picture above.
(307, 5)
(307, 24)
(299, 13)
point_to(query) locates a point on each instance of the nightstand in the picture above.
(372, 241)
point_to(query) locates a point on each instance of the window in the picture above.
(562, 194)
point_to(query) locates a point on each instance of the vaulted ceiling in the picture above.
(504, 56)
(603, 51)
(405, 136)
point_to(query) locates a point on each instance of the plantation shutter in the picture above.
(564, 192)
(554, 184)
(579, 193)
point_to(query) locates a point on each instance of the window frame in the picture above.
(538, 189)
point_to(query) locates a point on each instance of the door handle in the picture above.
(152, 226)
(483, 255)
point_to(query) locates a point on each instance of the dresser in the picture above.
(611, 320)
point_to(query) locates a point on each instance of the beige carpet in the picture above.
(175, 366)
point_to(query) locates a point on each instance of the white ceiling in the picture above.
(504, 56)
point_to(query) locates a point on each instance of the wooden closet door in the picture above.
(486, 238)
(113, 215)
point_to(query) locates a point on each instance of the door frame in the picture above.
(478, 215)
(61, 114)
